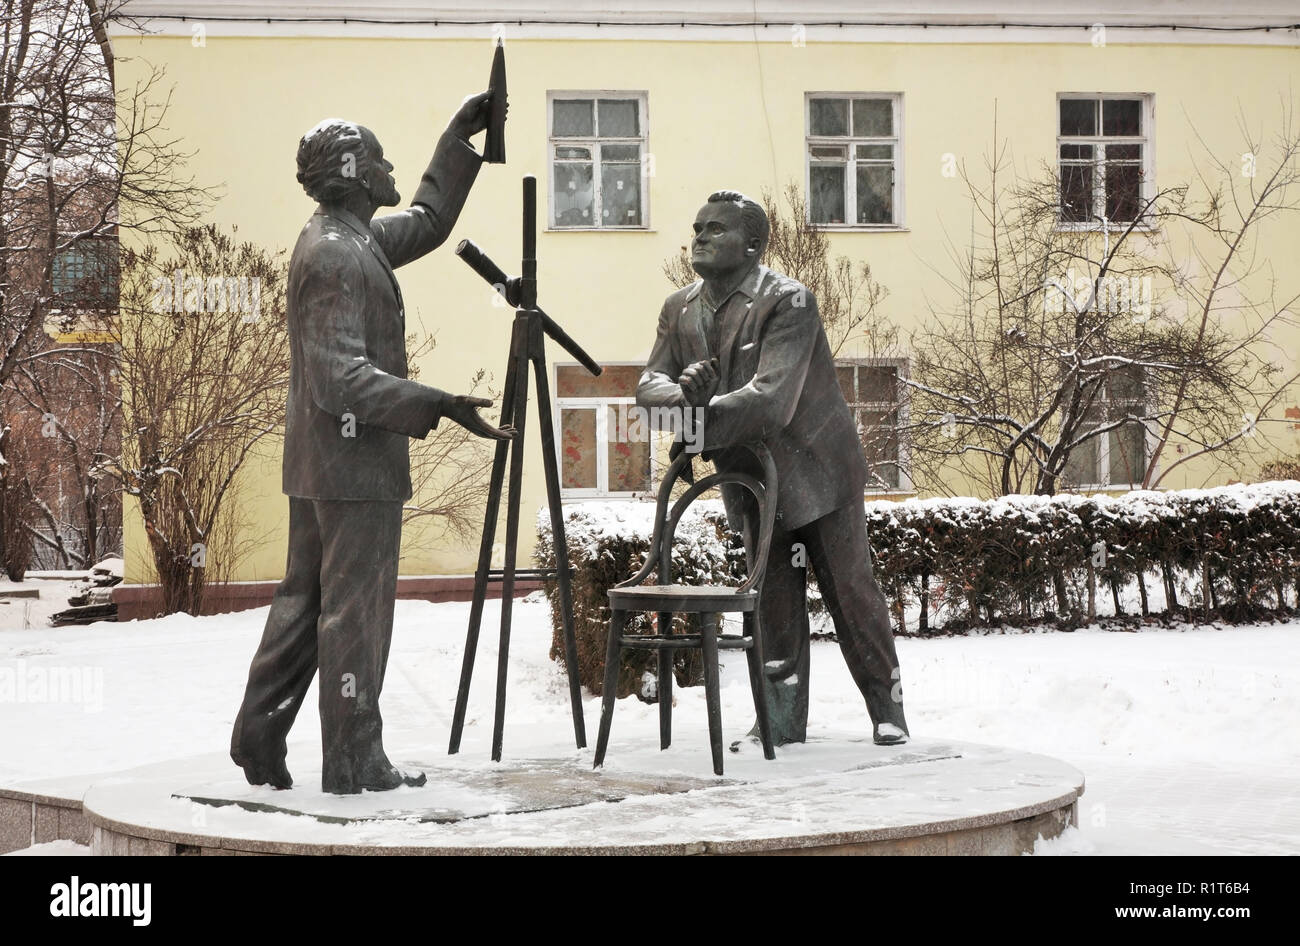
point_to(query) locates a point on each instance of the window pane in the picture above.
(573, 154)
(1126, 384)
(620, 194)
(572, 118)
(829, 116)
(1121, 117)
(573, 195)
(1122, 191)
(1081, 467)
(85, 275)
(1078, 117)
(875, 193)
(613, 381)
(1127, 454)
(873, 118)
(879, 433)
(878, 383)
(827, 197)
(1123, 152)
(619, 118)
(845, 375)
(1077, 152)
(1076, 193)
(629, 459)
(875, 152)
(577, 448)
(829, 152)
(620, 153)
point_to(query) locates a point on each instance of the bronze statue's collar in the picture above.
(346, 217)
(747, 287)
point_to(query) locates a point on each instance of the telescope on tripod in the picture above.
(527, 346)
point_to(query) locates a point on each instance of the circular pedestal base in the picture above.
(829, 796)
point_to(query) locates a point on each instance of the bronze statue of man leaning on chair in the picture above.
(746, 344)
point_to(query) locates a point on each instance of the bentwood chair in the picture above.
(707, 601)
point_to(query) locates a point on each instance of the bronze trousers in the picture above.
(836, 548)
(332, 611)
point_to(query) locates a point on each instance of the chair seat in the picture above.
(687, 598)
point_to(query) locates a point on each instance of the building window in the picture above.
(854, 159)
(84, 275)
(874, 390)
(1118, 457)
(1104, 150)
(598, 160)
(605, 448)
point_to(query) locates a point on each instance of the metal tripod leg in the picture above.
(485, 545)
(519, 418)
(558, 542)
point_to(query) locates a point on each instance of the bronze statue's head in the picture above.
(337, 158)
(731, 234)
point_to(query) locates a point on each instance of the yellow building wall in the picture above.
(721, 114)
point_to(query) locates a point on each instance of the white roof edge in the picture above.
(1249, 21)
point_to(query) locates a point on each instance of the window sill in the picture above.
(848, 228)
(600, 230)
(1097, 488)
(1096, 228)
(870, 495)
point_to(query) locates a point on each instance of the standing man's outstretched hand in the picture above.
(463, 409)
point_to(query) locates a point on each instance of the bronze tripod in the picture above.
(526, 346)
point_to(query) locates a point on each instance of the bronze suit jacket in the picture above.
(777, 385)
(347, 336)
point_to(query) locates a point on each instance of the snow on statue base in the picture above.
(834, 794)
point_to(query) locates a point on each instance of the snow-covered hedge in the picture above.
(1234, 550)
(1030, 557)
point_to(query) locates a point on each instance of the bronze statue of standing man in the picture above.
(351, 410)
(746, 344)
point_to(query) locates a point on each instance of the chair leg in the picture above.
(709, 640)
(665, 684)
(758, 680)
(609, 691)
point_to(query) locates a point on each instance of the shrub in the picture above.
(1017, 558)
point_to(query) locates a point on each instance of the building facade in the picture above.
(630, 117)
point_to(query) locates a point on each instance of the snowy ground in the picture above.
(27, 613)
(1189, 739)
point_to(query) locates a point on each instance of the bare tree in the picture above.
(204, 363)
(1232, 298)
(77, 164)
(77, 400)
(1068, 357)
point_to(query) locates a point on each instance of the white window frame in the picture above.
(642, 97)
(850, 178)
(1146, 187)
(904, 410)
(1102, 444)
(600, 405)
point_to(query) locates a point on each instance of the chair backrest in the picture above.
(661, 543)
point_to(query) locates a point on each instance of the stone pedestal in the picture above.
(829, 796)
